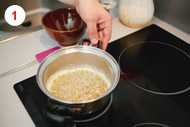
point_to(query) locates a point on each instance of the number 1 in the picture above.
(14, 13)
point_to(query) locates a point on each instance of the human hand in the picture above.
(98, 20)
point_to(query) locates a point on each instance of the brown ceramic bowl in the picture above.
(64, 25)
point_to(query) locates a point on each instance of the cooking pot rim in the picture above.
(72, 49)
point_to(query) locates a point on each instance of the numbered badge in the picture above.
(15, 15)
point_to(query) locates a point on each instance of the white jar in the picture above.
(136, 13)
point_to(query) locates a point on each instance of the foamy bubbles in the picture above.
(78, 85)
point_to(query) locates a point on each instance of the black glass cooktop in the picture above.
(154, 89)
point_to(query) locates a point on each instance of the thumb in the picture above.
(92, 32)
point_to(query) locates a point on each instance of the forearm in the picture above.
(74, 3)
(69, 2)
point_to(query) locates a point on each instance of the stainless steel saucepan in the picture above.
(73, 57)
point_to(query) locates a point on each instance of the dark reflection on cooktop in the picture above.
(156, 67)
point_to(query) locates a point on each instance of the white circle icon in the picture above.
(15, 15)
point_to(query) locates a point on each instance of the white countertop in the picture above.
(23, 50)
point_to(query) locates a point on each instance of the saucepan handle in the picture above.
(90, 44)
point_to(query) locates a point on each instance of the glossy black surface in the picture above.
(156, 67)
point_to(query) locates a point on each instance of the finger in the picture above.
(103, 25)
(104, 45)
(106, 37)
(100, 35)
(92, 32)
(86, 43)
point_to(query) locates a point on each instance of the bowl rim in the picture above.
(61, 31)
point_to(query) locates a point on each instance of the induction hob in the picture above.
(154, 89)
